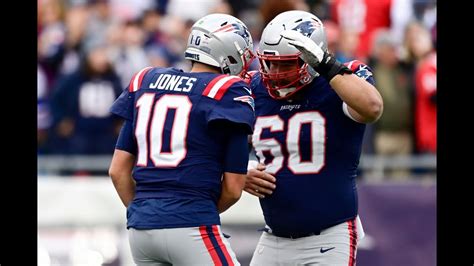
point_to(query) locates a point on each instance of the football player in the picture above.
(311, 112)
(181, 157)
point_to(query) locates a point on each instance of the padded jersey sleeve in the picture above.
(232, 101)
(124, 105)
(126, 140)
(361, 70)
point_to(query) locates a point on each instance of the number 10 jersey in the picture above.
(179, 157)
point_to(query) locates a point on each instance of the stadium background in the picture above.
(89, 49)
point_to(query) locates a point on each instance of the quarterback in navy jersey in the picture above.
(181, 157)
(311, 112)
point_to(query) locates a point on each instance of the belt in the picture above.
(295, 235)
(291, 235)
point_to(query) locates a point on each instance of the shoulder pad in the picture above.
(218, 86)
(136, 80)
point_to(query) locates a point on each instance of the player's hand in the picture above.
(323, 62)
(311, 52)
(259, 183)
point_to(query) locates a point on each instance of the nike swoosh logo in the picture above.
(325, 250)
(249, 91)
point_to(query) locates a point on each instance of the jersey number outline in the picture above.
(295, 164)
(149, 129)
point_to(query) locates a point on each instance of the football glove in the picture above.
(321, 61)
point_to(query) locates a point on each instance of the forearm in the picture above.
(121, 173)
(232, 186)
(125, 187)
(226, 201)
(360, 96)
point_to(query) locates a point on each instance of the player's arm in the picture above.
(235, 168)
(232, 112)
(364, 102)
(122, 164)
(232, 185)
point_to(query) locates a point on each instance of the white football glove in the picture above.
(311, 52)
(321, 61)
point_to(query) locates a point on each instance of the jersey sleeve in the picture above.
(235, 104)
(124, 105)
(362, 70)
(125, 140)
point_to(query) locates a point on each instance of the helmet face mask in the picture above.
(283, 75)
(283, 82)
(222, 41)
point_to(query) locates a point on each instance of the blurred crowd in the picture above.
(88, 51)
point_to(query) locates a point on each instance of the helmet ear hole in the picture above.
(232, 59)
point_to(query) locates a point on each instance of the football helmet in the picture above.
(222, 41)
(282, 68)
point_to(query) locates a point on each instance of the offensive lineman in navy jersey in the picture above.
(310, 112)
(181, 157)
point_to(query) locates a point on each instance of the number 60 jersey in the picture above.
(312, 148)
(178, 156)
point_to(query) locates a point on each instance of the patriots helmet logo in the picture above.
(246, 99)
(307, 27)
(236, 28)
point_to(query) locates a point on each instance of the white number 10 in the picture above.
(149, 134)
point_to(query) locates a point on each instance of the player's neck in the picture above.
(198, 67)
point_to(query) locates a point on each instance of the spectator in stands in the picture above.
(76, 23)
(51, 37)
(366, 16)
(393, 132)
(269, 9)
(80, 104)
(130, 56)
(420, 50)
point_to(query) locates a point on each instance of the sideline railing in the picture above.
(371, 166)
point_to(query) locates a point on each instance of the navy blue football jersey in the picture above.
(313, 150)
(179, 162)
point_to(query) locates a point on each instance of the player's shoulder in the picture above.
(220, 85)
(137, 78)
(360, 68)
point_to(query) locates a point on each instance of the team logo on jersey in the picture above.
(290, 107)
(246, 99)
(363, 71)
(236, 28)
(307, 27)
